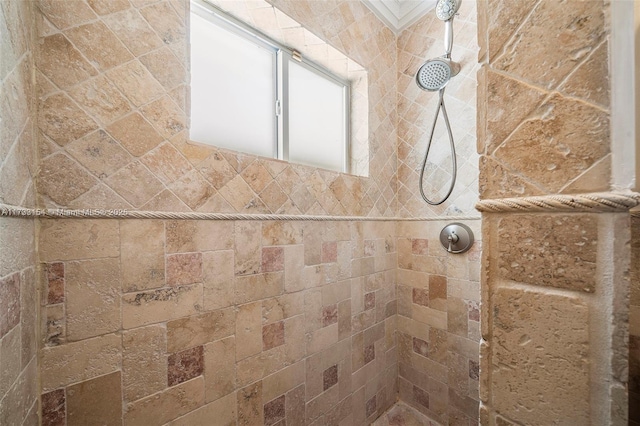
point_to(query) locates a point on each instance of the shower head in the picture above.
(434, 74)
(446, 9)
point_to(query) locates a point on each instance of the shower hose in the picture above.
(453, 152)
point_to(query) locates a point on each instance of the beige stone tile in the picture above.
(99, 153)
(164, 20)
(134, 31)
(216, 170)
(165, 304)
(64, 15)
(580, 127)
(220, 368)
(63, 180)
(53, 325)
(21, 397)
(248, 330)
(224, 410)
(61, 62)
(92, 298)
(196, 236)
(135, 184)
(167, 405)
(281, 233)
(99, 45)
(248, 248)
(97, 400)
(218, 274)
(595, 179)
(135, 81)
(60, 119)
(322, 338)
(293, 266)
(101, 99)
(135, 134)
(165, 201)
(166, 163)
(283, 381)
(259, 286)
(165, 67)
(255, 367)
(431, 317)
(165, 116)
(565, 260)
(497, 181)
(10, 357)
(193, 189)
(294, 347)
(502, 121)
(142, 249)
(79, 361)
(250, 405)
(537, 37)
(16, 172)
(144, 362)
(240, 195)
(200, 329)
(69, 239)
(106, 7)
(282, 307)
(555, 325)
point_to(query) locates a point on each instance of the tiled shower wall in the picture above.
(554, 285)
(438, 292)
(250, 321)
(306, 312)
(259, 322)
(18, 293)
(438, 323)
(418, 43)
(634, 325)
(112, 94)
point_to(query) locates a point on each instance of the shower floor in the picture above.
(403, 415)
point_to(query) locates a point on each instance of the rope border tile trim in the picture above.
(593, 202)
(23, 212)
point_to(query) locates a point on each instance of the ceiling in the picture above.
(399, 14)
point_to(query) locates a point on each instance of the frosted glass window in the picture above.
(250, 93)
(316, 119)
(233, 90)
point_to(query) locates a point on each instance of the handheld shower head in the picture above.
(434, 74)
(446, 9)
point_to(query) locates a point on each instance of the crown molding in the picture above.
(399, 14)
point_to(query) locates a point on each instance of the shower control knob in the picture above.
(456, 238)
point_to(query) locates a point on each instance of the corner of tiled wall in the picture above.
(18, 281)
(555, 289)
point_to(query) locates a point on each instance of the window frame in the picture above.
(283, 56)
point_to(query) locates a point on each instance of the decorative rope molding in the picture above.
(13, 211)
(594, 202)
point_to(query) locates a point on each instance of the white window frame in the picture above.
(283, 56)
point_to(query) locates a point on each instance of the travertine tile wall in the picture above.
(112, 93)
(634, 325)
(438, 324)
(18, 293)
(554, 285)
(182, 322)
(418, 43)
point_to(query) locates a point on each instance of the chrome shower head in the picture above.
(446, 9)
(435, 74)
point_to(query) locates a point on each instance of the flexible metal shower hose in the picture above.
(453, 152)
